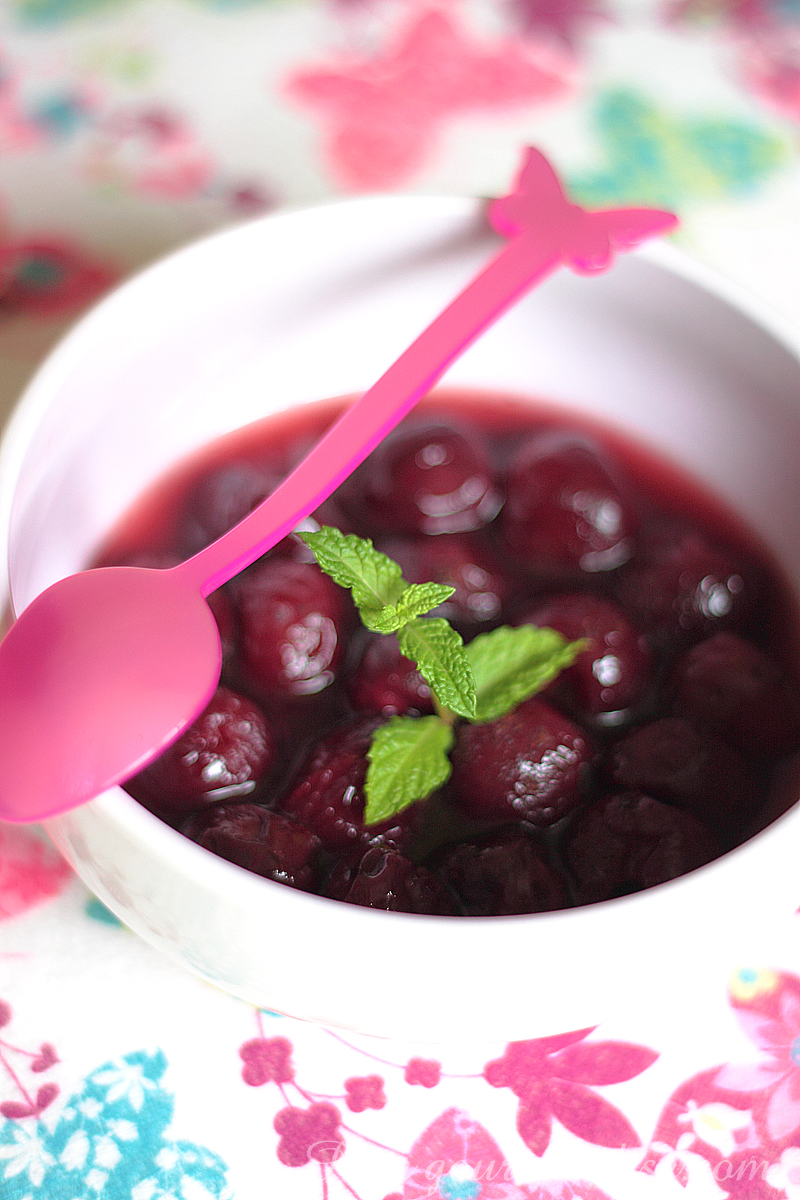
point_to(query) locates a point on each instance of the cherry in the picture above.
(328, 796)
(223, 497)
(221, 606)
(482, 588)
(565, 513)
(268, 843)
(385, 681)
(292, 621)
(615, 669)
(630, 841)
(428, 478)
(224, 753)
(732, 686)
(529, 764)
(673, 761)
(686, 586)
(384, 878)
(501, 875)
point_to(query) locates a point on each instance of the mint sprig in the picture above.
(407, 759)
(388, 604)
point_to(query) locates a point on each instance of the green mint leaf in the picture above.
(511, 664)
(407, 761)
(354, 563)
(442, 662)
(420, 598)
(382, 620)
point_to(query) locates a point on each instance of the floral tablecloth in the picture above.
(128, 127)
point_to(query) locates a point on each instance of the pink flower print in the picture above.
(13, 1061)
(383, 114)
(738, 14)
(31, 870)
(784, 1175)
(423, 1071)
(771, 1019)
(553, 1079)
(309, 1134)
(15, 1110)
(700, 1120)
(45, 1058)
(151, 151)
(771, 67)
(45, 278)
(17, 132)
(680, 1171)
(561, 1189)
(266, 1060)
(365, 1091)
(456, 1159)
(561, 20)
(715, 1123)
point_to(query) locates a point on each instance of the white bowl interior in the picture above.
(306, 305)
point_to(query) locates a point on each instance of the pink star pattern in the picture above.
(383, 115)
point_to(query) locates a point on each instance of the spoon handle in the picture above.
(520, 264)
(545, 230)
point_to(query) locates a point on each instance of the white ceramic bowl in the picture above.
(305, 305)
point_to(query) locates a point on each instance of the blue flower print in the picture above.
(656, 157)
(109, 1141)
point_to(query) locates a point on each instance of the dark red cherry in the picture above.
(674, 761)
(385, 681)
(383, 878)
(482, 587)
(615, 670)
(630, 841)
(732, 686)
(265, 842)
(565, 512)
(685, 586)
(501, 875)
(328, 795)
(222, 498)
(220, 604)
(529, 764)
(430, 478)
(225, 753)
(292, 625)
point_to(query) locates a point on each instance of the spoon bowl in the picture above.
(137, 641)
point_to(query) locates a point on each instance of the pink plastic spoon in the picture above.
(105, 668)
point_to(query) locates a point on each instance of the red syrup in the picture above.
(671, 739)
